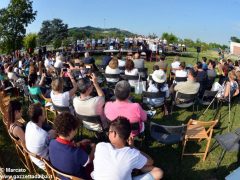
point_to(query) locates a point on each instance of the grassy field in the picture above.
(168, 157)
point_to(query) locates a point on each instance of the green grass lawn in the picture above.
(168, 157)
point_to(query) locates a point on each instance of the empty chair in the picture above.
(229, 142)
(197, 131)
(208, 96)
(167, 134)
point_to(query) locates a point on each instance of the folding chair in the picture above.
(24, 158)
(207, 98)
(180, 79)
(92, 124)
(122, 69)
(48, 112)
(167, 135)
(60, 109)
(131, 78)
(147, 97)
(56, 174)
(184, 100)
(116, 77)
(229, 142)
(143, 72)
(197, 131)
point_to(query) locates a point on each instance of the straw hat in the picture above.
(159, 76)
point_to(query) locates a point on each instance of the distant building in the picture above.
(235, 48)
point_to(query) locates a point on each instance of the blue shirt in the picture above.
(67, 158)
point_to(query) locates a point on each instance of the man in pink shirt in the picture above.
(123, 107)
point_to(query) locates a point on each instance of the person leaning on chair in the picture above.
(121, 159)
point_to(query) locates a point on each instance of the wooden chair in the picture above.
(197, 131)
(49, 111)
(23, 156)
(56, 174)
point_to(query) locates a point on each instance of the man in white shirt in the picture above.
(36, 138)
(116, 161)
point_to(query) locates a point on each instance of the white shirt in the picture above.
(37, 141)
(175, 65)
(47, 63)
(116, 164)
(121, 63)
(181, 73)
(109, 70)
(133, 72)
(58, 64)
(12, 76)
(61, 99)
(157, 101)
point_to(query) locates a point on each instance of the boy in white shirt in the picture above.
(116, 161)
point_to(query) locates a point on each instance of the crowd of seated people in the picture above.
(87, 97)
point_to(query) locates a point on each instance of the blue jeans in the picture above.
(146, 176)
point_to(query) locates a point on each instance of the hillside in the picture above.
(96, 32)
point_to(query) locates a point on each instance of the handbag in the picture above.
(139, 87)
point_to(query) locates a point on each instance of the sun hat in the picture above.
(159, 76)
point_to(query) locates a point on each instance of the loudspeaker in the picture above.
(198, 49)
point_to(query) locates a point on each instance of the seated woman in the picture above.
(181, 72)
(16, 128)
(35, 89)
(60, 98)
(211, 74)
(231, 87)
(130, 70)
(112, 68)
(158, 83)
(64, 154)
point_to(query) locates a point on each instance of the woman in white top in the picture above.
(130, 70)
(60, 98)
(112, 68)
(181, 72)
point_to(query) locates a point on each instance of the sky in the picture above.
(208, 20)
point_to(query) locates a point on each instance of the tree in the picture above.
(30, 42)
(235, 39)
(171, 38)
(13, 22)
(53, 32)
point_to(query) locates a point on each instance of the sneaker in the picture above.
(151, 113)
